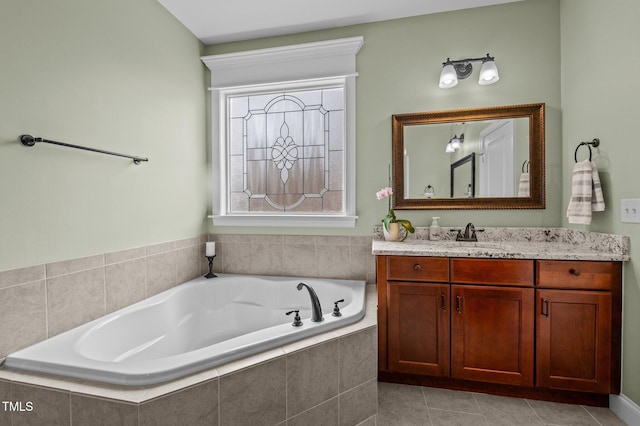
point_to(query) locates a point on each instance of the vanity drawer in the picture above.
(492, 271)
(586, 275)
(418, 268)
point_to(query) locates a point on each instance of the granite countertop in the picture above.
(509, 243)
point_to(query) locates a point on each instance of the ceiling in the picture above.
(217, 21)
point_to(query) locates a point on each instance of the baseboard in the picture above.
(625, 408)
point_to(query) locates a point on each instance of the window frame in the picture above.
(297, 66)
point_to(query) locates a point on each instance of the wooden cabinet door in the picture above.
(418, 328)
(574, 340)
(492, 334)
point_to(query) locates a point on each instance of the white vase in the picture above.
(393, 234)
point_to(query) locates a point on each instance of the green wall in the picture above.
(119, 75)
(399, 66)
(599, 99)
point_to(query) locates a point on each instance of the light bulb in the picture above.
(448, 77)
(449, 148)
(488, 73)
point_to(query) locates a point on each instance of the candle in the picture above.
(210, 249)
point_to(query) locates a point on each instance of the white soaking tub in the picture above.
(198, 325)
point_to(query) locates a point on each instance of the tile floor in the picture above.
(403, 405)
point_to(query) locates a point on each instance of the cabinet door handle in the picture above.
(459, 304)
(443, 301)
(417, 267)
(545, 308)
(575, 272)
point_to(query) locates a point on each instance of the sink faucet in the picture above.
(316, 309)
(469, 233)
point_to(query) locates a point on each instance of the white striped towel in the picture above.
(523, 185)
(586, 193)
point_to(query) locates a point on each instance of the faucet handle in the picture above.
(336, 309)
(297, 322)
(459, 235)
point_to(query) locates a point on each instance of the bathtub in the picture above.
(198, 325)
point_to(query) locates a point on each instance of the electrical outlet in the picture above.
(630, 210)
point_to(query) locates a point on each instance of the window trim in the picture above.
(301, 64)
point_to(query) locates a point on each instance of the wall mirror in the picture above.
(481, 158)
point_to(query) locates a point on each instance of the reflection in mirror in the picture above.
(426, 146)
(463, 177)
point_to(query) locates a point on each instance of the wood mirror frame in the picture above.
(535, 114)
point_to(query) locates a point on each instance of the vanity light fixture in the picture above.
(459, 69)
(456, 142)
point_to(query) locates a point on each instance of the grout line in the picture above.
(590, 415)
(46, 309)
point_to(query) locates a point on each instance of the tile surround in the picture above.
(43, 300)
(300, 387)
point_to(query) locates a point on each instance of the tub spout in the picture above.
(316, 309)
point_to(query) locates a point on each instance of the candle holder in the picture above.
(210, 274)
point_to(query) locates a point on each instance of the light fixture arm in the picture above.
(468, 60)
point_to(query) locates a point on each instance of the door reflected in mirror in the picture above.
(469, 158)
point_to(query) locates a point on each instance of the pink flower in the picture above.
(384, 192)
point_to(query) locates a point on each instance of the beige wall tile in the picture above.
(335, 240)
(160, 248)
(74, 265)
(359, 404)
(195, 406)
(325, 414)
(24, 319)
(371, 421)
(299, 260)
(187, 242)
(266, 259)
(21, 276)
(125, 283)
(50, 407)
(161, 272)
(75, 299)
(188, 264)
(236, 257)
(358, 358)
(361, 262)
(87, 411)
(300, 239)
(355, 240)
(333, 261)
(268, 239)
(5, 395)
(124, 255)
(310, 380)
(255, 396)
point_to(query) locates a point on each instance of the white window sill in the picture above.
(313, 221)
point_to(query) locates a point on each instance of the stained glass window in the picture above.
(286, 151)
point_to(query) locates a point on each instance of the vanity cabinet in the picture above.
(470, 319)
(418, 314)
(578, 306)
(540, 326)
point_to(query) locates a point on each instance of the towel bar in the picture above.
(28, 140)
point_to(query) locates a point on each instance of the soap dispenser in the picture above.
(434, 228)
